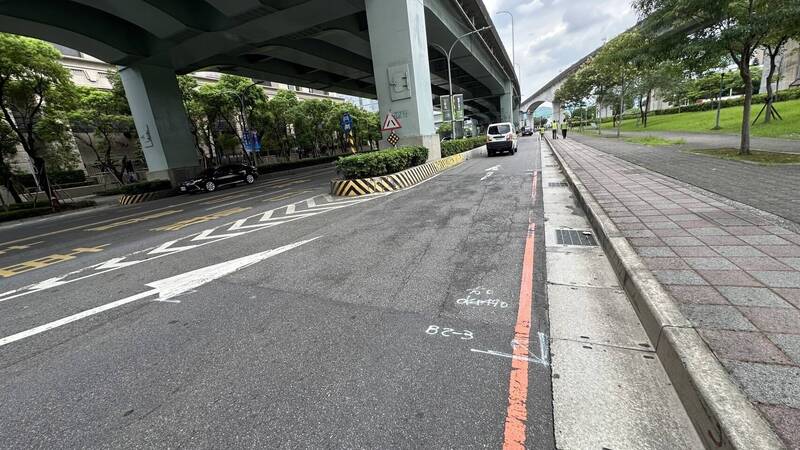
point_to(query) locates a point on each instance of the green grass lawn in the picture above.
(755, 156)
(654, 141)
(730, 121)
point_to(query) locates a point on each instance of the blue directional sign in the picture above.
(251, 142)
(347, 122)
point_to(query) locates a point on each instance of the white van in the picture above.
(501, 137)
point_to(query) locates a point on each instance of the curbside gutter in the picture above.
(400, 180)
(720, 411)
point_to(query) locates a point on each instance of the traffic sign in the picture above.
(346, 122)
(390, 123)
(447, 111)
(458, 107)
(393, 139)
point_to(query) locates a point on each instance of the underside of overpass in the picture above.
(369, 48)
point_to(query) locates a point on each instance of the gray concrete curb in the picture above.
(720, 411)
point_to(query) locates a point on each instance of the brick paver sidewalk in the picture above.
(770, 188)
(735, 275)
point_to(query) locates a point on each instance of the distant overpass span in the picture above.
(547, 92)
(370, 48)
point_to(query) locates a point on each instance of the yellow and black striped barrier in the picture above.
(395, 181)
(140, 198)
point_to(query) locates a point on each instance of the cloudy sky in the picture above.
(552, 34)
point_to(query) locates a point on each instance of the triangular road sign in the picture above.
(390, 123)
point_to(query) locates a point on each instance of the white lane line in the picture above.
(75, 317)
(167, 249)
(245, 199)
(166, 288)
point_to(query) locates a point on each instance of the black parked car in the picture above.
(210, 180)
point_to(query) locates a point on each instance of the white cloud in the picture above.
(552, 34)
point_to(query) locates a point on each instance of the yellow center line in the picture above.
(134, 220)
(18, 247)
(100, 222)
(200, 219)
(38, 263)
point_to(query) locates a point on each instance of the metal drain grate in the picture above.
(552, 165)
(575, 237)
(558, 184)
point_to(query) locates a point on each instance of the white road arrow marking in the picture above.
(165, 289)
(490, 171)
(166, 249)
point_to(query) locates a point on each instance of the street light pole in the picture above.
(447, 55)
(719, 99)
(513, 48)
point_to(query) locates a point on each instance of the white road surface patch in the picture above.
(165, 289)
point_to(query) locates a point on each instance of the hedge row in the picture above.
(60, 177)
(788, 94)
(758, 99)
(381, 162)
(139, 188)
(450, 148)
(17, 213)
(277, 167)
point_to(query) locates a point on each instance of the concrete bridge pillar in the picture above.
(507, 103)
(557, 111)
(399, 47)
(161, 122)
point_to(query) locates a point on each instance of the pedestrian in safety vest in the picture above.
(564, 127)
(541, 132)
(555, 130)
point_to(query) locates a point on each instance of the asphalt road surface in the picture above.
(275, 316)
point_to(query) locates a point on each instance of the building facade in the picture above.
(787, 71)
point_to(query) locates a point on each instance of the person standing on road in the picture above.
(555, 129)
(564, 130)
(541, 132)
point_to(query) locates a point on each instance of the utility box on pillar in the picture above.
(161, 122)
(399, 50)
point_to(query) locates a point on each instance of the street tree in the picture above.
(617, 62)
(8, 149)
(35, 92)
(787, 27)
(100, 122)
(735, 27)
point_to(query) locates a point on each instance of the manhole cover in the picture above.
(575, 237)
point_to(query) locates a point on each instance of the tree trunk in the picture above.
(647, 107)
(744, 69)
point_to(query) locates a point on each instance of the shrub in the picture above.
(139, 188)
(296, 164)
(453, 147)
(382, 162)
